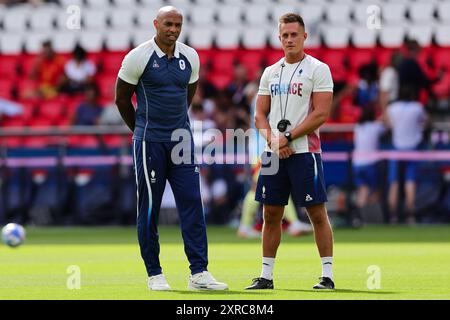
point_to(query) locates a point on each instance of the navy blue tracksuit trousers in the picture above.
(153, 165)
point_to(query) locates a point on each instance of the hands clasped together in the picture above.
(280, 145)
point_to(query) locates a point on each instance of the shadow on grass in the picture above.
(340, 291)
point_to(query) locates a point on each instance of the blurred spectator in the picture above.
(411, 73)
(256, 148)
(9, 108)
(110, 116)
(366, 91)
(206, 86)
(197, 111)
(199, 121)
(225, 193)
(236, 87)
(220, 206)
(78, 72)
(110, 113)
(367, 134)
(89, 111)
(47, 72)
(389, 82)
(407, 119)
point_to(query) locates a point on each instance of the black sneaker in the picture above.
(260, 283)
(325, 283)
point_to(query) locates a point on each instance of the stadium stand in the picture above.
(226, 33)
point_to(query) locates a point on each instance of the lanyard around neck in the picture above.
(283, 115)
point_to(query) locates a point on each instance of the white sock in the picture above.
(327, 265)
(267, 268)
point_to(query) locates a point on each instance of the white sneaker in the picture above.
(158, 283)
(298, 228)
(205, 281)
(248, 232)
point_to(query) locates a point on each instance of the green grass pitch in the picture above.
(413, 263)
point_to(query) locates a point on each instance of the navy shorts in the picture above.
(366, 175)
(409, 167)
(300, 175)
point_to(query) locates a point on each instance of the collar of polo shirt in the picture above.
(160, 53)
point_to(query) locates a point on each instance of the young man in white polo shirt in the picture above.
(294, 100)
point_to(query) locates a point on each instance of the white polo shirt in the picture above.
(297, 83)
(366, 139)
(407, 119)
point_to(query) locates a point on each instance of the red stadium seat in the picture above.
(442, 58)
(223, 61)
(113, 141)
(383, 56)
(12, 142)
(29, 110)
(107, 84)
(83, 141)
(40, 122)
(37, 141)
(315, 52)
(252, 60)
(52, 110)
(12, 122)
(64, 121)
(25, 86)
(360, 57)
(6, 87)
(8, 66)
(40, 141)
(442, 88)
(337, 60)
(72, 104)
(111, 63)
(26, 63)
(272, 56)
(425, 59)
(205, 57)
(348, 113)
(220, 80)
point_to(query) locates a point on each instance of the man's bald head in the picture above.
(168, 24)
(166, 11)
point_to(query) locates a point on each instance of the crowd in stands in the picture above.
(371, 97)
(372, 87)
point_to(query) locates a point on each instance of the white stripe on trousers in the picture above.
(147, 181)
(200, 189)
(136, 174)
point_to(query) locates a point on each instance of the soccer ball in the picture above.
(13, 234)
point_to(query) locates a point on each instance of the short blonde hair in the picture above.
(291, 17)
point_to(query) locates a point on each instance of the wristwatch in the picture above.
(288, 136)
